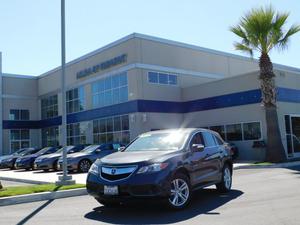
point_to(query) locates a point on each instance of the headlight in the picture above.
(94, 169)
(153, 168)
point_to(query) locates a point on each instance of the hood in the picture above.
(48, 156)
(134, 157)
(77, 154)
(29, 156)
(5, 157)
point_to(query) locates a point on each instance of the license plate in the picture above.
(111, 190)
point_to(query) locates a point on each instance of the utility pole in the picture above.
(64, 179)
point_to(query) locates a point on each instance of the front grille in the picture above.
(116, 173)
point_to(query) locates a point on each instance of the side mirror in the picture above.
(198, 147)
(120, 149)
(98, 150)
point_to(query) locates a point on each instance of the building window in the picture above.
(49, 107)
(252, 131)
(220, 130)
(76, 133)
(110, 90)
(111, 129)
(234, 132)
(162, 78)
(19, 114)
(19, 139)
(50, 136)
(75, 100)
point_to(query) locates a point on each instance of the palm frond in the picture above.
(243, 48)
(262, 29)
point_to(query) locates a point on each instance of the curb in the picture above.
(278, 165)
(41, 196)
(24, 180)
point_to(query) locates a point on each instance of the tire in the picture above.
(84, 165)
(109, 204)
(55, 165)
(225, 185)
(180, 192)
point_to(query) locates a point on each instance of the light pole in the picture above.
(64, 179)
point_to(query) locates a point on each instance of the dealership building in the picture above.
(142, 83)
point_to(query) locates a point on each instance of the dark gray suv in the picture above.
(167, 165)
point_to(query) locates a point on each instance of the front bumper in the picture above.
(71, 166)
(43, 165)
(23, 165)
(7, 164)
(136, 186)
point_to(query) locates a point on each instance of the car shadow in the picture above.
(204, 201)
(42, 171)
(294, 169)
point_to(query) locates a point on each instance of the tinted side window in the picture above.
(116, 146)
(197, 139)
(208, 139)
(107, 147)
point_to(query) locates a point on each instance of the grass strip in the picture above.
(262, 163)
(30, 189)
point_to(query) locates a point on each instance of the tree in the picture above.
(261, 30)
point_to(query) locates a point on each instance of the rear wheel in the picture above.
(225, 185)
(180, 195)
(84, 166)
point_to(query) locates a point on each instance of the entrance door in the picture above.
(292, 124)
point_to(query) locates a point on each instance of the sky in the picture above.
(30, 29)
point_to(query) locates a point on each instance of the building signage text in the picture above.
(102, 66)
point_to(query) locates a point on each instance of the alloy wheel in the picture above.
(179, 192)
(84, 166)
(227, 178)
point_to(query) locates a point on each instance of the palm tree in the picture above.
(261, 30)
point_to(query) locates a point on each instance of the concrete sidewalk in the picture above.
(37, 177)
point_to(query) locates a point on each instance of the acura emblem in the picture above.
(113, 171)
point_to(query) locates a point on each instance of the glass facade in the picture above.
(76, 133)
(50, 136)
(252, 131)
(111, 129)
(19, 138)
(162, 78)
(75, 100)
(19, 114)
(245, 131)
(49, 107)
(110, 90)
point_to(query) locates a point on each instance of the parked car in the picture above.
(26, 162)
(9, 161)
(4, 157)
(82, 161)
(49, 161)
(166, 165)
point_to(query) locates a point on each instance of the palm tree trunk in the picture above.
(275, 151)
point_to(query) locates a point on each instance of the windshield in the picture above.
(68, 149)
(90, 148)
(30, 151)
(43, 150)
(158, 141)
(20, 151)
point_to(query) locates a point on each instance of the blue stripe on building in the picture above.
(222, 101)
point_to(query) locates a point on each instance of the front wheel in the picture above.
(180, 193)
(225, 185)
(84, 166)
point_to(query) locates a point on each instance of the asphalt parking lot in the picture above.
(259, 196)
